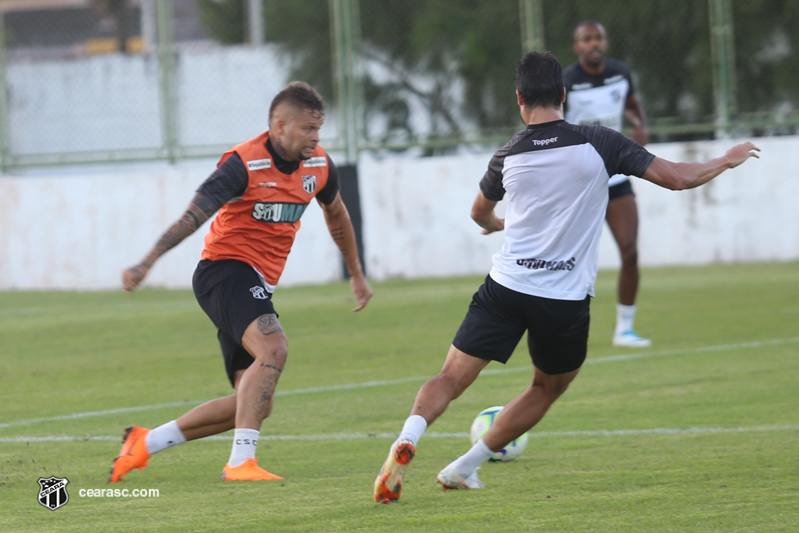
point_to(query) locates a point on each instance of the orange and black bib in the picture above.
(259, 228)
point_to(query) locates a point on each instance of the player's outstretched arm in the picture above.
(200, 209)
(340, 227)
(483, 214)
(679, 176)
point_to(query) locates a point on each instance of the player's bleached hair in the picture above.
(300, 95)
(539, 80)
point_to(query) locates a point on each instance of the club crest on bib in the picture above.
(309, 184)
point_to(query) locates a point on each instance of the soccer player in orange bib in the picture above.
(260, 188)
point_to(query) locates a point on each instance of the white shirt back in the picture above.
(556, 177)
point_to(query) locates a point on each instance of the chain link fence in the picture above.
(113, 80)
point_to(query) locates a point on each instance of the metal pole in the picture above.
(532, 21)
(255, 14)
(167, 67)
(148, 25)
(5, 129)
(723, 57)
(343, 14)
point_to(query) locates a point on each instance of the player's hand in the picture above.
(133, 276)
(740, 153)
(362, 290)
(498, 224)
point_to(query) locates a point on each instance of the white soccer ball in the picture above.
(480, 426)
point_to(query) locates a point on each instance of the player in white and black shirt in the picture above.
(550, 172)
(556, 176)
(600, 91)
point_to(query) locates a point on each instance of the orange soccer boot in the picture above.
(247, 471)
(133, 454)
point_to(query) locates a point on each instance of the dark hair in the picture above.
(588, 22)
(299, 94)
(539, 80)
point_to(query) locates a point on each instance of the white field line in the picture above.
(438, 435)
(371, 384)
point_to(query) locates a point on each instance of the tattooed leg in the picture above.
(266, 341)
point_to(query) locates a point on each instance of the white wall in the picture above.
(113, 102)
(78, 227)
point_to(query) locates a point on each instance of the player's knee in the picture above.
(272, 353)
(629, 254)
(452, 385)
(552, 389)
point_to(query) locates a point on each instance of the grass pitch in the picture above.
(698, 433)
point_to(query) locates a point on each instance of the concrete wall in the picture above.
(77, 228)
(113, 102)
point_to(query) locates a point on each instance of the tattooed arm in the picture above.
(200, 209)
(227, 182)
(340, 227)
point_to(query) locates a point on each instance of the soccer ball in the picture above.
(480, 427)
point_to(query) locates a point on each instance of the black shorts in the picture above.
(232, 294)
(620, 189)
(557, 330)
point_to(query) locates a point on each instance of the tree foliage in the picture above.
(455, 59)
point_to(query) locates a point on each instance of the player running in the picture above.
(260, 188)
(556, 176)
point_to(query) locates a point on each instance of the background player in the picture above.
(600, 91)
(261, 188)
(542, 278)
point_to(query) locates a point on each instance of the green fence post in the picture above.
(531, 15)
(344, 19)
(167, 69)
(255, 22)
(5, 130)
(345, 36)
(723, 57)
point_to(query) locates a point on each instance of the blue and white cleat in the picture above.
(630, 339)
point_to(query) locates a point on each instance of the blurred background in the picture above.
(112, 112)
(126, 80)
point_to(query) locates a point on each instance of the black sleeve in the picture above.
(227, 182)
(328, 194)
(621, 155)
(491, 184)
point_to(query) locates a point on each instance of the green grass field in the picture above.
(698, 433)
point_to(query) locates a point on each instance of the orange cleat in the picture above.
(247, 471)
(133, 454)
(388, 484)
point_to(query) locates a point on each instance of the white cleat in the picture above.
(630, 339)
(451, 479)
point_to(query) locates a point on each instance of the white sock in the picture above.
(466, 464)
(163, 437)
(244, 442)
(413, 429)
(625, 317)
